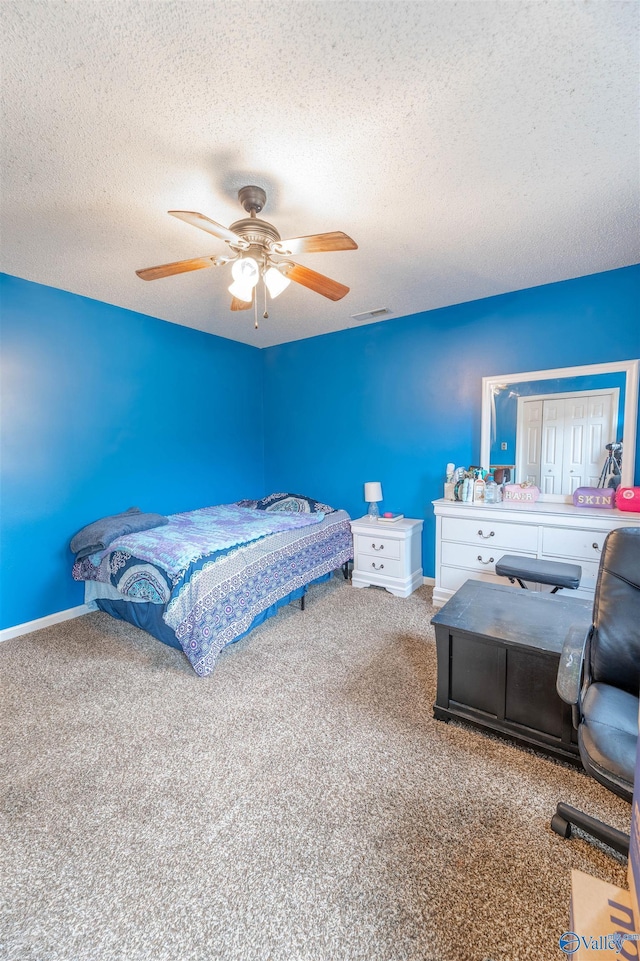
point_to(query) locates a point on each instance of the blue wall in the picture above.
(103, 409)
(396, 401)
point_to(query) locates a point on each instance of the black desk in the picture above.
(498, 652)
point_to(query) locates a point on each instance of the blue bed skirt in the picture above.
(148, 617)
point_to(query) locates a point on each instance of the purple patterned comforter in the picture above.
(212, 573)
(190, 536)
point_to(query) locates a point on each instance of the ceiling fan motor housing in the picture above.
(256, 231)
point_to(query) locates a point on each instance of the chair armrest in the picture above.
(569, 678)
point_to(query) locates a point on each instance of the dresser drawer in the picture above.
(587, 580)
(589, 576)
(570, 543)
(465, 530)
(474, 557)
(377, 546)
(366, 564)
(551, 532)
(452, 578)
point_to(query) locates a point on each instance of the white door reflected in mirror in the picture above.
(562, 440)
(568, 443)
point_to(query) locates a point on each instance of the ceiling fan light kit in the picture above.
(254, 245)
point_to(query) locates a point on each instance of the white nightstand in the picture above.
(388, 555)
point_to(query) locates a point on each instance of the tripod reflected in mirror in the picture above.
(612, 467)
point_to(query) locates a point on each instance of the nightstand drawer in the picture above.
(377, 546)
(379, 565)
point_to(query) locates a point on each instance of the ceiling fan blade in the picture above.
(204, 223)
(316, 243)
(314, 281)
(237, 304)
(178, 267)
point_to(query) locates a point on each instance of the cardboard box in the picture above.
(605, 920)
(602, 923)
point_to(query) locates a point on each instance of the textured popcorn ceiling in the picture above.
(469, 148)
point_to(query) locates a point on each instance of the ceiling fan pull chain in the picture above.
(255, 309)
(265, 316)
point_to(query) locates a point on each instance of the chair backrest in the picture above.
(615, 643)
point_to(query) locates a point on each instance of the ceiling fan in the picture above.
(255, 251)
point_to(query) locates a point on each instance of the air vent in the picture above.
(371, 314)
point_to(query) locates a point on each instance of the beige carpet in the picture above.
(300, 804)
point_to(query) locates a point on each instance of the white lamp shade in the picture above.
(242, 290)
(276, 282)
(246, 274)
(246, 271)
(373, 491)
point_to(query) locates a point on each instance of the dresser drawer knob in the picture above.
(486, 536)
(490, 561)
(596, 546)
(377, 567)
(381, 548)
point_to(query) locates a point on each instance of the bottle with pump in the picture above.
(490, 491)
(478, 489)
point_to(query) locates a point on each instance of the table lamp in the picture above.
(373, 494)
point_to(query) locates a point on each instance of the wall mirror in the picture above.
(559, 429)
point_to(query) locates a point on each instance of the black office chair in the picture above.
(600, 677)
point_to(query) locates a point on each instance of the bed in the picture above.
(202, 579)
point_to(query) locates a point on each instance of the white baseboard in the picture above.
(39, 623)
(47, 621)
(441, 595)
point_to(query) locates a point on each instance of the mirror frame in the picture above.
(628, 367)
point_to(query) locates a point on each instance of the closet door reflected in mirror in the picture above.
(562, 439)
(565, 448)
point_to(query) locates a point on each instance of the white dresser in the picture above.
(470, 538)
(387, 555)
